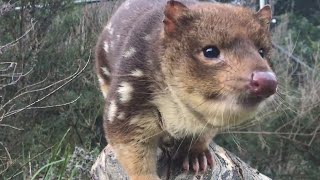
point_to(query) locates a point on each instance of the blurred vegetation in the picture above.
(283, 142)
(59, 44)
(51, 108)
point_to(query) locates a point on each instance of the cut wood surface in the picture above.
(227, 166)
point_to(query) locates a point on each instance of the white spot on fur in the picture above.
(112, 44)
(140, 118)
(124, 91)
(129, 53)
(104, 93)
(106, 46)
(109, 28)
(147, 37)
(105, 71)
(121, 115)
(118, 37)
(137, 73)
(112, 111)
(135, 120)
(111, 31)
(101, 81)
(103, 86)
(126, 5)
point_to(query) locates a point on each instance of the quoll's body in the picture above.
(182, 70)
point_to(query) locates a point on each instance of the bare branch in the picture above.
(285, 52)
(57, 105)
(9, 161)
(6, 125)
(7, 46)
(29, 106)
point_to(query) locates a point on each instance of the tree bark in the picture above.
(227, 166)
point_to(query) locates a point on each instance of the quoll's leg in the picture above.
(139, 160)
(134, 140)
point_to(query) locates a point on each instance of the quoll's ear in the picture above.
(172, 12)
(265, 15)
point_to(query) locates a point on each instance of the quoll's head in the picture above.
(216, 59)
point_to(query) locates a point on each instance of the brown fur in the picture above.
(157, 82)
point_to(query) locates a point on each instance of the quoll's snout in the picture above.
(263, 84)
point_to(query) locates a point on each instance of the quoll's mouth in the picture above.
(246, 101)
(250, 101)
(261, 86)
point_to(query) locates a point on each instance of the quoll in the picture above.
(180, 69)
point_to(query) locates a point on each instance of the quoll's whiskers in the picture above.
(283, 101)
(178, 148)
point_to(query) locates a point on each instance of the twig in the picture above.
(314, 135)
(71, 78)
(290, 55)
(30, 167)
(6, 46)
(57, 105)
(37, 90)
(6, 125)
(11, 64)
(14, 81)
(31, 85)
(9, 156)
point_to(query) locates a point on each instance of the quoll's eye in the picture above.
(261, 52)
(211, 52)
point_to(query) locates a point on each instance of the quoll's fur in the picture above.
(158, 82)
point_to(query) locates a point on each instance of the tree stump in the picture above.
(227, 166)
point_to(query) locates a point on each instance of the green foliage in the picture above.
(60, 44)
(306, 8)
(308, 37)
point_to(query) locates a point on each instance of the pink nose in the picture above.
(263, 84)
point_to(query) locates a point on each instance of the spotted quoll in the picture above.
(180, 70)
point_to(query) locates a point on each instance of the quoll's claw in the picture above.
(185, 164)
(199, 162)
(210, 159)
(202, 162)
(195, 164)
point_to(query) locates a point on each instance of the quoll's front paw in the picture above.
(198, 161)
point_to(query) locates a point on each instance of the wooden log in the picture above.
(227, 166)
